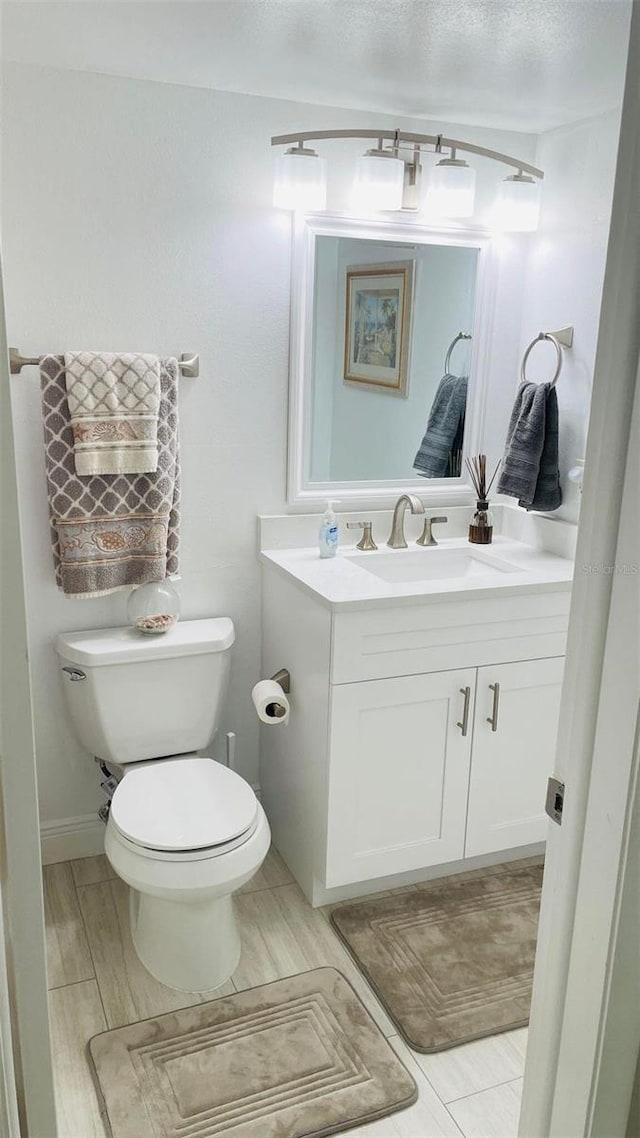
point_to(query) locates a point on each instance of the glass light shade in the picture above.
(300, 181)
(154, 608)
(451, 189)
(517, 209)
(378, 183)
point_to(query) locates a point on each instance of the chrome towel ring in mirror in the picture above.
(559, 339)
(456, 339)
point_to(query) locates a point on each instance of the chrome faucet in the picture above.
(397, 539)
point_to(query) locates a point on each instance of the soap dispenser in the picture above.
(328, 535)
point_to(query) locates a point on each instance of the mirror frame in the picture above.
(307, 228)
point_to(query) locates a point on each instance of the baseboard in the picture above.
(70, 838)
(322, 896)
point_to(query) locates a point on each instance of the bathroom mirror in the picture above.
(389, 327)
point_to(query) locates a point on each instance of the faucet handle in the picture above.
(366, 541)
(426, 537)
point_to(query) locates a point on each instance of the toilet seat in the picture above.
(179, 857)
(183, 809)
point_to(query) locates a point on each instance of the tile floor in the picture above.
(96, 982)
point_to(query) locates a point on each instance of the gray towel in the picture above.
(530, 465)
(445, 426)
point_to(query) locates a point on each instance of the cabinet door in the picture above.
(398, 774)
(511, 763)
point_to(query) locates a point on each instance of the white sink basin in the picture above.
(430, 564)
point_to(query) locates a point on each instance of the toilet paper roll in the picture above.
(270, 702)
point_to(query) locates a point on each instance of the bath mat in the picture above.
(453, 959)
(299, 1058)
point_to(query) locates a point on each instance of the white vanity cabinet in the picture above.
(380, 772)
(514, 737)
(419, 777)
(398, 774)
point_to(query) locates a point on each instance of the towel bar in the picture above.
(189, 363)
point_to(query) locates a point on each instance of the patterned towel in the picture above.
(113, 402)
(110, 531)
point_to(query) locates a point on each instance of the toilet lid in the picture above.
(183, 804)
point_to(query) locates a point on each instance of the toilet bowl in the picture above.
(184, 831)
(185, 835)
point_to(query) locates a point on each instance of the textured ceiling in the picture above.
(520, 64)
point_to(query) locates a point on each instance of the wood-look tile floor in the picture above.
(96, 982)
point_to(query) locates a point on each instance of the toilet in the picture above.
(184, 831)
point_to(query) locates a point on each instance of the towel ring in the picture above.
(556, 344)
(456, 339)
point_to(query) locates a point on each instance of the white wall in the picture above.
(561, 267)
(139, 215)
(565, 272)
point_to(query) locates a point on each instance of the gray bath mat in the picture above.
(300, 1057)
(453, 959)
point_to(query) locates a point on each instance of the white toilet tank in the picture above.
(133, 696)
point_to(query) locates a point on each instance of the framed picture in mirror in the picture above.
(378, 326)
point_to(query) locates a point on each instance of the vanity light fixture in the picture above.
(388, 178)
(518, 206)
(379, 181)
(451, 189)
(301, 180)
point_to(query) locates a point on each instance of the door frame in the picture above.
(584, 915)
(9, 1119)
(24, 1022)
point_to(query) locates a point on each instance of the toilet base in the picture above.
(190, 947)
(181, 908)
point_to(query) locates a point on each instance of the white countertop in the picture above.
(342, 583)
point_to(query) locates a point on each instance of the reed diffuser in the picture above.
(481, 527)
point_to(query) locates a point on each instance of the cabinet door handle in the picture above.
(464, 723)
(493, 718)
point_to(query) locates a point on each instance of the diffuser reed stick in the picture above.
(477, 467)
(481, 527)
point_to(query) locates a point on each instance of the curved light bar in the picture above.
(398, 137)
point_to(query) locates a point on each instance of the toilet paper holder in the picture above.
(282, 677)
(270, 698)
